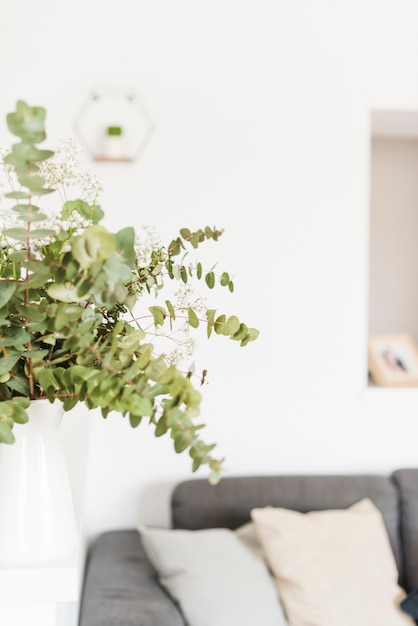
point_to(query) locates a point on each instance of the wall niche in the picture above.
(393, 245)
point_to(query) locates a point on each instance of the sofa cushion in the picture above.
(334, 567)
(216, 579)
(410, 603)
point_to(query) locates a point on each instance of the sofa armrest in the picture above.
(121, 587)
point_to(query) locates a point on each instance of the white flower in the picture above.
(147, 241)
(62, 167)
(7, 173)
(62, 172)
(3, 153)
(9, 221)
(181, 352)
(187, 297)
(90, 186)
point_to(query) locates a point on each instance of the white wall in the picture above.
(262, 126)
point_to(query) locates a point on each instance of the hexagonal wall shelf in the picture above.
(114, 126)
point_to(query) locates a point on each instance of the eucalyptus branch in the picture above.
(69, 288)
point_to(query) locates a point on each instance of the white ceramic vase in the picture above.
(37, 520)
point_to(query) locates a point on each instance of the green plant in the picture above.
(114, 131)
(69, 293)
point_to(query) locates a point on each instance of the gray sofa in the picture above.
(121, 587)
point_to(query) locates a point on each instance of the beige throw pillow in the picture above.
(334, 567)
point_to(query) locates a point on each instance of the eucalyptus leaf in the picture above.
(240, 333)
(192, 318)
(63, 292)
(161, 427)
(225, 279)
(8, 362)
(29, 214)
(18, 195)
(232, 325)
(20, 234)
(210, 280)
(14, 337)
(19, 414)
(6, 434)
(135, 420)
(7, 289)
(41, 233)
(32, 181)
(20, 385)
(159, 314)
(183, 274)
(251, 335)
(125, 239)
(219, 325)
(47, 380)
(27, 122)
(170, 309)
(95, 244)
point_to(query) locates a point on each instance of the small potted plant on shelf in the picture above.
(73, 328)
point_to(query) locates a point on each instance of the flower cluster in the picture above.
(62, 172)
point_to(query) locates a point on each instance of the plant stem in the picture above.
(26, 296)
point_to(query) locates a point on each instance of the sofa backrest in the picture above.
(197, 504)
(407, 482)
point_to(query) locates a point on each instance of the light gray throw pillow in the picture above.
(214, 576)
